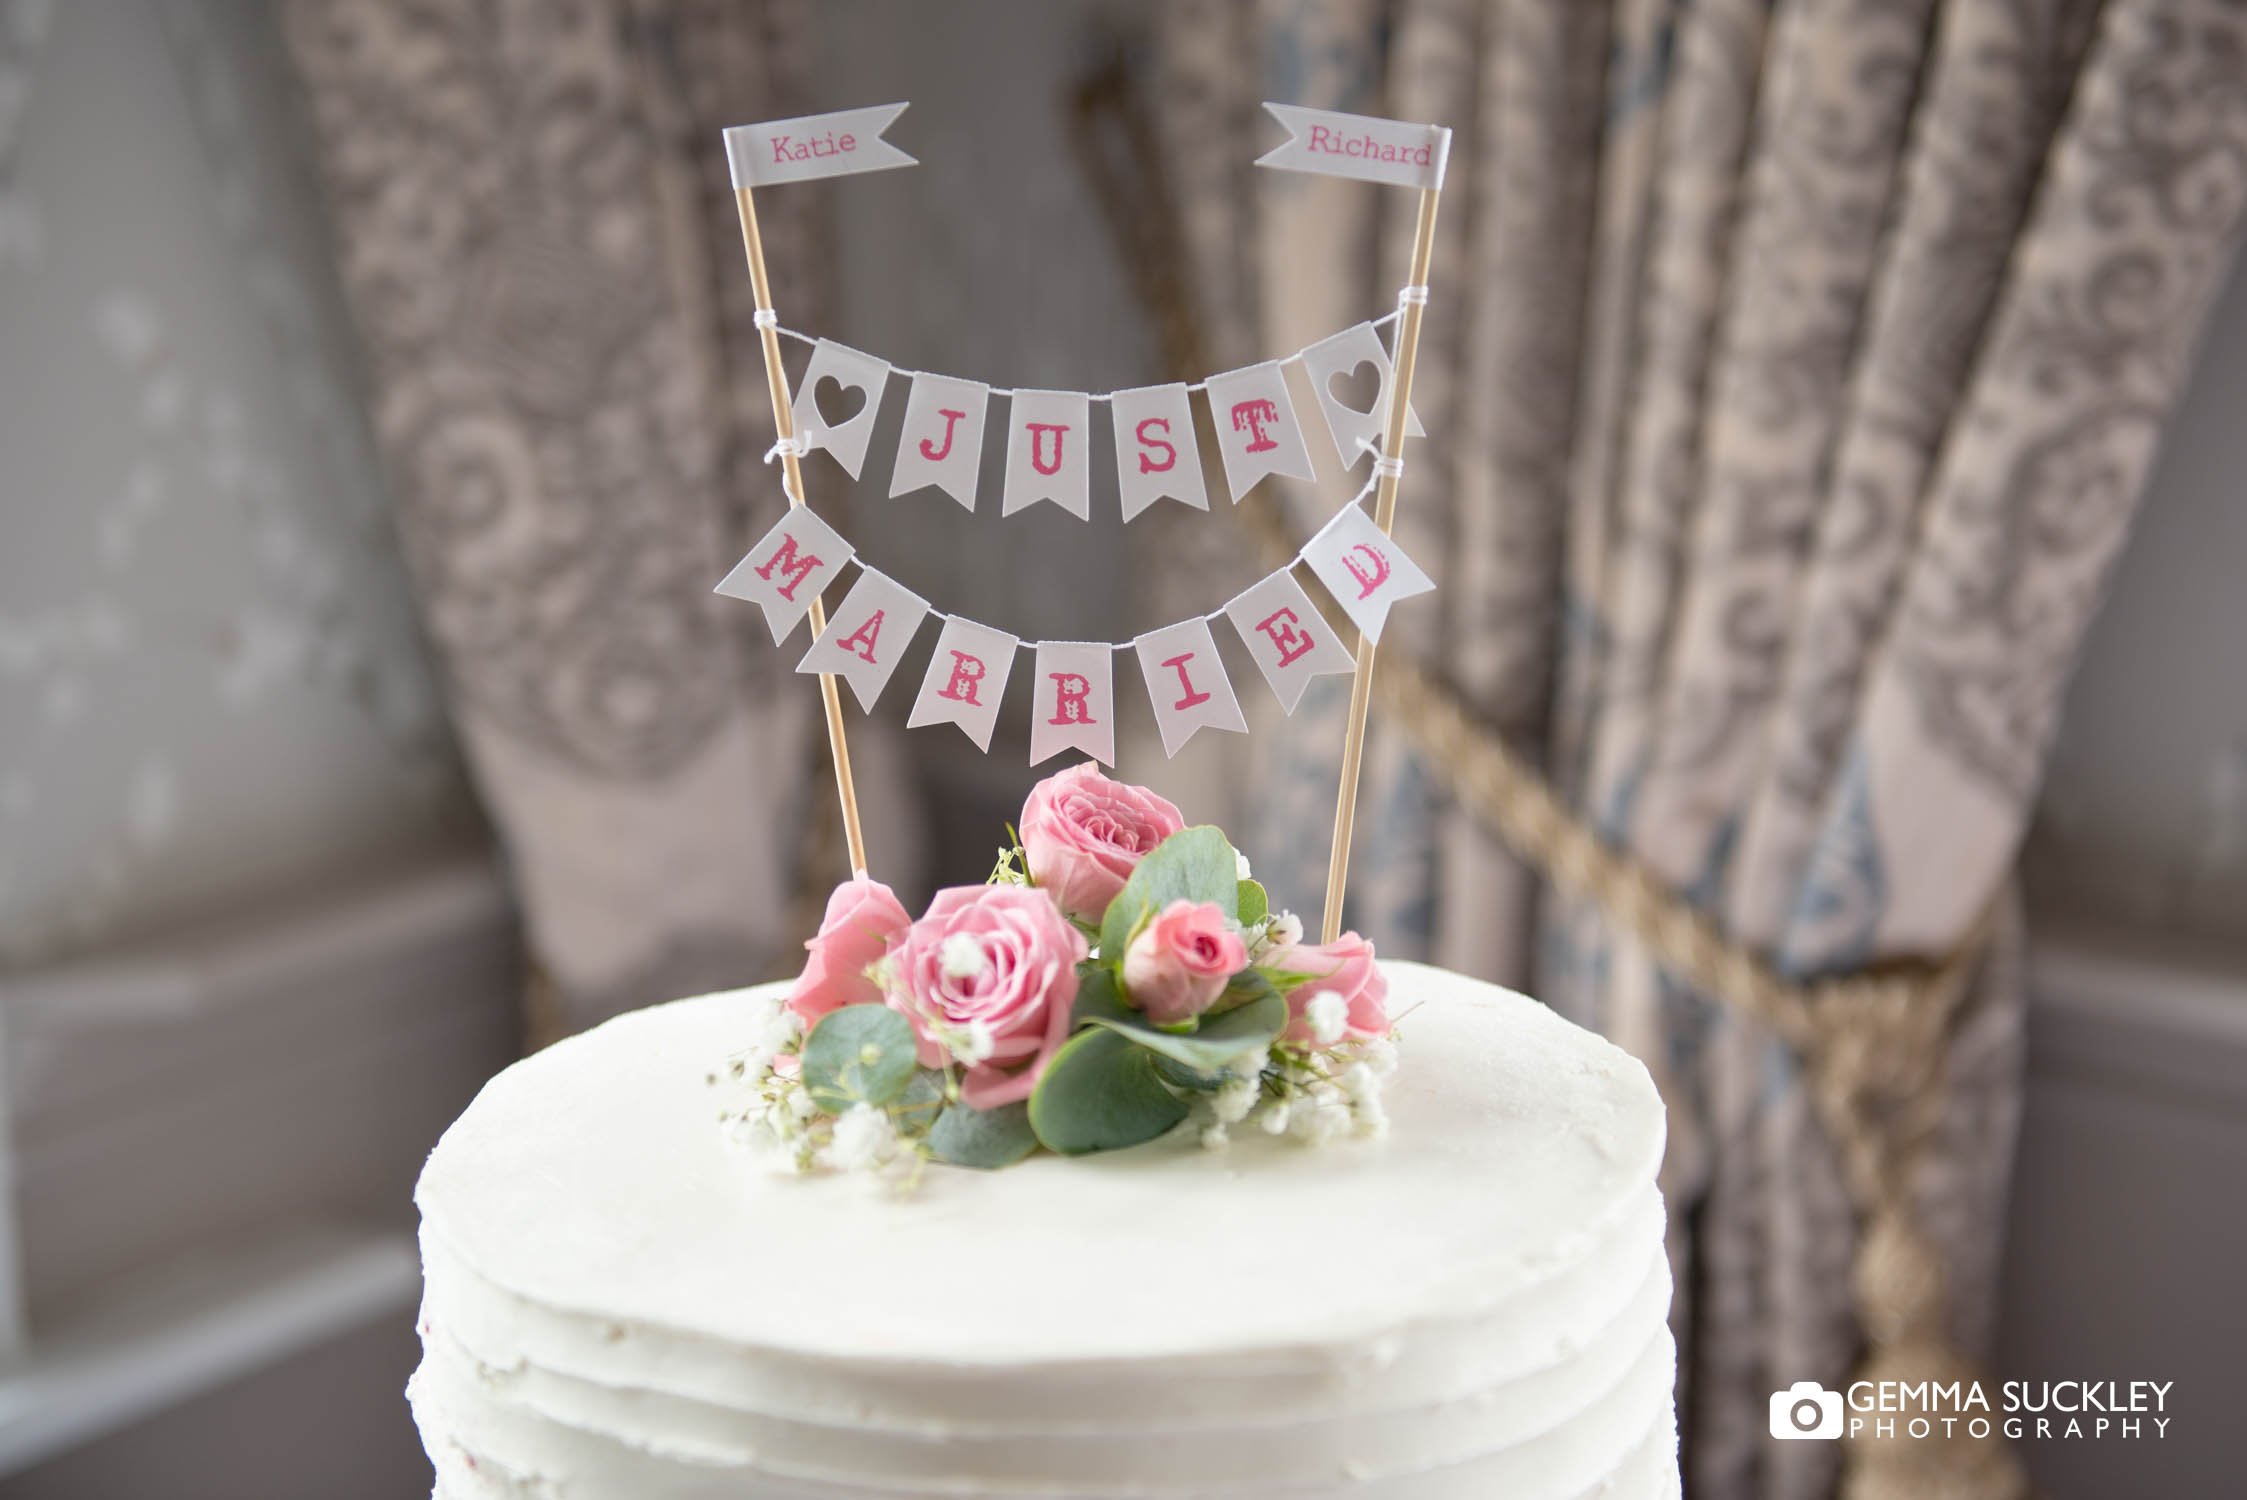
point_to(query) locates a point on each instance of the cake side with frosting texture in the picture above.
(621, 1302)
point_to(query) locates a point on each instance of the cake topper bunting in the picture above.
(1259, 434)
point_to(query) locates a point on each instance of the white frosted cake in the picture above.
(624, 1304)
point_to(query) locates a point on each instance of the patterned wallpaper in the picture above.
(211, 684)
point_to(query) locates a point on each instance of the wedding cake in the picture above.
(1453, 1288)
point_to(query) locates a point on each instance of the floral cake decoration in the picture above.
(1121, 975)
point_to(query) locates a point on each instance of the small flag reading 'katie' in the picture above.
(849, 140)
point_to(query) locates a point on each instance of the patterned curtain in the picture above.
(1796, 370)
(539, 243)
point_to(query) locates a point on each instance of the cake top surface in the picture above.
(593, 1178)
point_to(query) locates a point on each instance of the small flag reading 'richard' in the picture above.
(1073, 705)
(1361, 146)
(1187, 683)
(966, 678)
(787, 568)
(867, 635)
(1287, 635)
(1365, 571)
(832, 145)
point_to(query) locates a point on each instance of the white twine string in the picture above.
(766, 318)
(1209, 617)
(1296, 358)
(1384, 467)
(1409, 296)
(787, 445)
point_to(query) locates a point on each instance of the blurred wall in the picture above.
(210, 682)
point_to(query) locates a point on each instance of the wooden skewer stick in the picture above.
(1384, 516)
(784, 421)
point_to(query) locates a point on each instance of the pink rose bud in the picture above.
(1084, 834)
(863, 918)
(997, 960)
(1181, 960)
(1345, 968)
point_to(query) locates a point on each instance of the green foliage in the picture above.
(1209, 1047)
(861, 1054)
(983, 1138)
(1255, 904)
(1101, 1093)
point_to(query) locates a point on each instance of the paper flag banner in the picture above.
(1289, 638)
(867, 635)
(787, 569)
(1186, 682)
(942, 443)
(1073, 705)
(848, 371)
(1156, 454)
(1365, 571)
(966, 678)
(1360, 146)
(1049, 452)
(1341, 357)
(849, 140)
(1256, 428)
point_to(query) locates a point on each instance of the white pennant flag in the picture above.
(847, 372)
(1186, 682)
(849, 140)
(1341, 357)
(966, 678)
(1256, 428)
(1156, 454)
(787, 568)
(1365, 571)
(1073, 704)
(1289, 638)
(867, 635)
(1360, 146)
(942, 443)
(1049, 452)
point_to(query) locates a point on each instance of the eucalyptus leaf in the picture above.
(984, 1138)
(917, 1108)
(1219, 1040)
(1255, 904)
(1100, 996)
(1101, 1093)
(861, 1054)
(1194, 864)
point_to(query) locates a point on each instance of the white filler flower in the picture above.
(864, 1137)
(1329, 1015)
(962, 957)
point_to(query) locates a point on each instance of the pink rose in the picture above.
(1179, 963)
(1001, 958)
(1084, 834)
(1345, 967)
(863, 918)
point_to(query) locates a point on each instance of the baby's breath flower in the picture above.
(1285, 930)
(1240, 866)
(864, 1137)
(1215, 1137)
(1234, 1098)
(1276, 1118)
(962, 957)
(1329, 1015)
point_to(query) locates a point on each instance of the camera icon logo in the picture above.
(1805, 1409)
